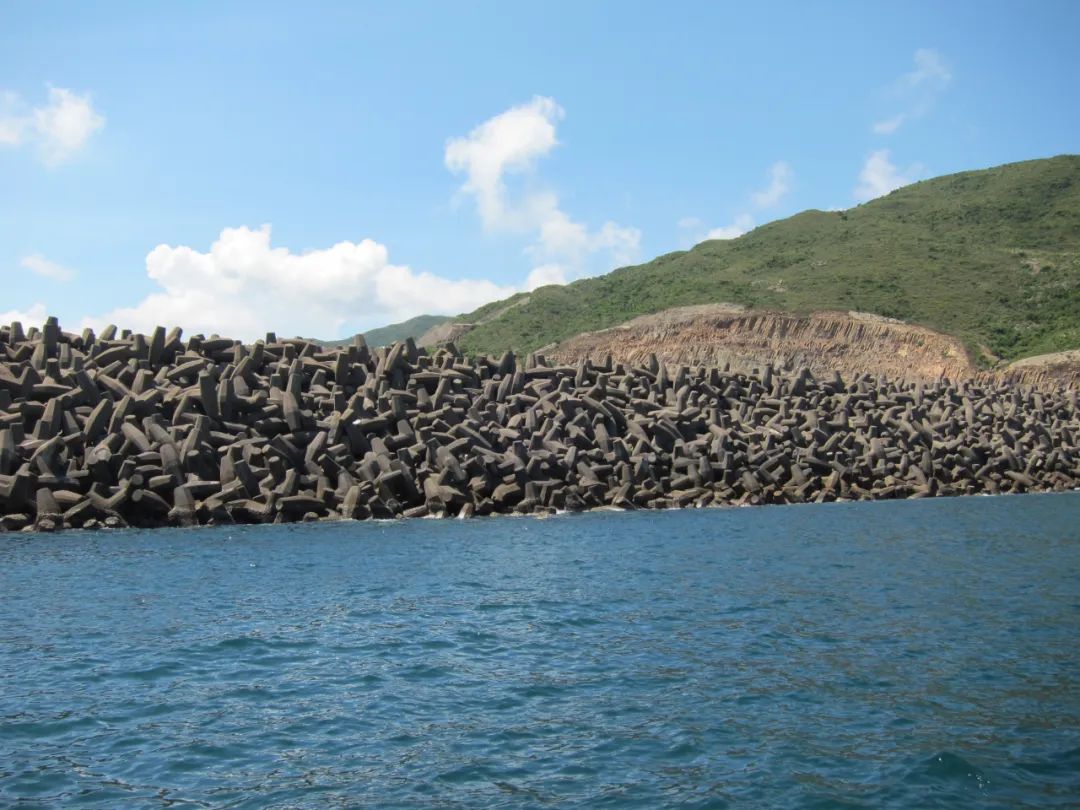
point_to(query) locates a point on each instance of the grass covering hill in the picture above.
(412, 328)
(385, 335)
(991, 256)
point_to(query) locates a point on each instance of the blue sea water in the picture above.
(900, 654)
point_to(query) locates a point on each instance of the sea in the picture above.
(893, 654)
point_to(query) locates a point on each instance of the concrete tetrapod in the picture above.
(112, 430)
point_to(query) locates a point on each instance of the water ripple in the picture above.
(840, 656)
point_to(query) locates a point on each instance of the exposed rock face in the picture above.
(724, 334)
(443, 333)
(851, 343)
(1059, 368)
(107, 430)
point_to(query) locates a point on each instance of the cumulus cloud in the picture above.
(930, 69)
(508, 143)
(742, 224)
(35, 316)
(58, 128)
(38, 264)
(243, 287)
(889, 125)
(779, 185)
(879, 176)
(916, 91)
(65, 124)
(545, 274)
(562, 238)
(511, 143)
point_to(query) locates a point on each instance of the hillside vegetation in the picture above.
(412, 328)
(386, 335)
(991, 256)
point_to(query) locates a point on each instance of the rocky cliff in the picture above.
(726, 334)
(1059, 368)
(848, 342)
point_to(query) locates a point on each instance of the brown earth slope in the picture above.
(1055, 368)
(718, 334)
(848, 342)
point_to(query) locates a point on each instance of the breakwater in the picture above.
(152, 430)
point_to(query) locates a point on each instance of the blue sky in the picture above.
(335, 167)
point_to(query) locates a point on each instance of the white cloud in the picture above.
(545, 274)
(889, 125)
(60, 128)
(623, 243)
(506, 144)
(43, 267)
(742, 224)
(509, 144)
(917, 90)
(35, 316)
(929, 69)
(243, 287)
(780, 177)
(562, 238)
(779, 185)
(879, 176)
(65, 124)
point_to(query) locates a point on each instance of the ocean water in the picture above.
(900, 654)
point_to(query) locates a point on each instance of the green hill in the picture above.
(991, 256)
(385, 335)
(412, 328)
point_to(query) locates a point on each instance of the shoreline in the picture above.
(599, 510)
(125, 429)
